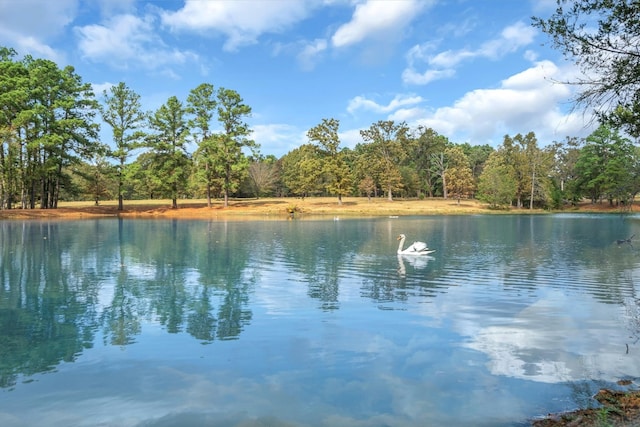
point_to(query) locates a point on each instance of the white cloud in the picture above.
(362, 103)
(350, 138)
(128, 40)
(99, 88)
(408, 115)
(26, 24)
(37, 18)
(32, 46)
(311, 53)
(411, 76)
(527, 101)
(377, 19)
(113, 7)
(544, 6)
(511, 39)
(242, 22)
(442, 65)
(280, 138)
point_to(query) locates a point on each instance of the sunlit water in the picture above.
(314, 322)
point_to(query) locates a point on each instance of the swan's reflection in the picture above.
(416, 262)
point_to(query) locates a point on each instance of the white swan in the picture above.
(416, 248)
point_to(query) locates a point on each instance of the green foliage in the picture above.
(122, 111)
(387, 141)
(168, 141)
(497, 184)
(302, 171)
(47, 126)
(231, 162)
(202, 104)
(607, 167)
(49, 147)
(423, 146)
(336, 170)
(459, 178)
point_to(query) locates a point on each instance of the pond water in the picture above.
(314, 322)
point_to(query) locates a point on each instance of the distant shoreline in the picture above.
(284, 208)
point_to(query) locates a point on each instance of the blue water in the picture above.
(314, 322)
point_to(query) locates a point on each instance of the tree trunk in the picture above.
(533, 182)
(444, 186)
(120, 201)
(174, 199)
(206, 168)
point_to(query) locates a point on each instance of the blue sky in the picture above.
(473, 70)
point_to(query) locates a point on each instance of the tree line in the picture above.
(50, 147)
(50, 150)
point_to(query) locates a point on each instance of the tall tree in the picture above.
(168, 141)
(231, 158)
(424, 143)
(387, 140)
(459, 176)
(607, 166)
(201, 104)
(302, 170)
(478, 155)
(497, 184)
(601, 37)
(123, 112)
(440, 164)
(513, 151)
(335, 168)
(64, 113)
(13, 99)
(263, 175)
(535, 167)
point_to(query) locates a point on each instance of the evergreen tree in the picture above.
(231, 161)
(168, 142)
(601, 37)
(122, 111)
(201, 103)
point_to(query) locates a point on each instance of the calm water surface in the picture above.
(314, 322)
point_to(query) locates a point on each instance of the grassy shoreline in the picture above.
(281, 208)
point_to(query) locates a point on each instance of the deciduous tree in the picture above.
(497, 184)
(386, 139)
(263, 175)
(459, 176)
(302, 170)
(335, 168)
(423, 144)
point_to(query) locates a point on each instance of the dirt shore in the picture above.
(276, 208)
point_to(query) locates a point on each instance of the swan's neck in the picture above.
(401, 244)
